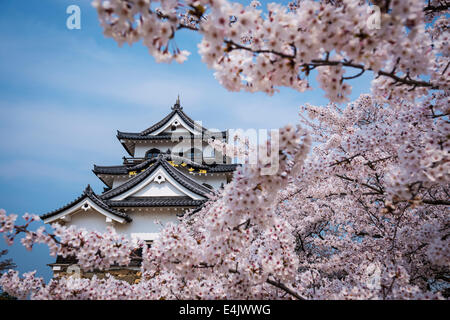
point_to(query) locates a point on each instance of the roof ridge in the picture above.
(130, 183)
(167, 136)
(173, 172)
(159, 124)
(151, 202)
(176, 109)
(105, 206)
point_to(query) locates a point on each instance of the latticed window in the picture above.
(195, 154)
(152, 153)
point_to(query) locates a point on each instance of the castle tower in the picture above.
(170, 170)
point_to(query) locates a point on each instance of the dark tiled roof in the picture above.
(123, 169)
(155, 202)
(176, 109)
(146, 134)
(180, 177)
(223, 168)
(139, 136)
(110, 169)
(179, 160)
(129, 148)
(66, 260)
(159, 124)
(88, 193)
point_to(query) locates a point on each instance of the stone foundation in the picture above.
(128, 275)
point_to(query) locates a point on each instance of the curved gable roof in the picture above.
(178, 176)
(126, 138)
(123, 169)
(156, 202)
(176, 109)
(87, 193)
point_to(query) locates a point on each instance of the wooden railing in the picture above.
(129, 160)
(135, 161)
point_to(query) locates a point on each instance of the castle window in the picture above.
(152, 153)
(195, 154)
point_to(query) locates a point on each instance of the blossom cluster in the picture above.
(374, 193)
(93, 250)
(256, 49)
(358, 206)
(236, 240)
(330, 224)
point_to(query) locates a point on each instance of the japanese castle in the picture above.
(171, 169)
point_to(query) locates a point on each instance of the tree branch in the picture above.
(281, 286)
(436, 202)
(406, 80)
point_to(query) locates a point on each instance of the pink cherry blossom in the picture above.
(359, 205)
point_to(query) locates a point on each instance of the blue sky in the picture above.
(64, 93)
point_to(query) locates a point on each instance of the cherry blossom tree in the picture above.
(359, 205)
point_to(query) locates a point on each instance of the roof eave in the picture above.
(101, 179)
(88, 193)
(124, 144)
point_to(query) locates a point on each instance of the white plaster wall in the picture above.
(215, 181)
(119, 180)
(90, 220)
(142, 148)
(177, 121)
(148, 180)
(179, 129)
(143, 222)
(155, 189)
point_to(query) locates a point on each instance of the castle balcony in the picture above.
(129, 161)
